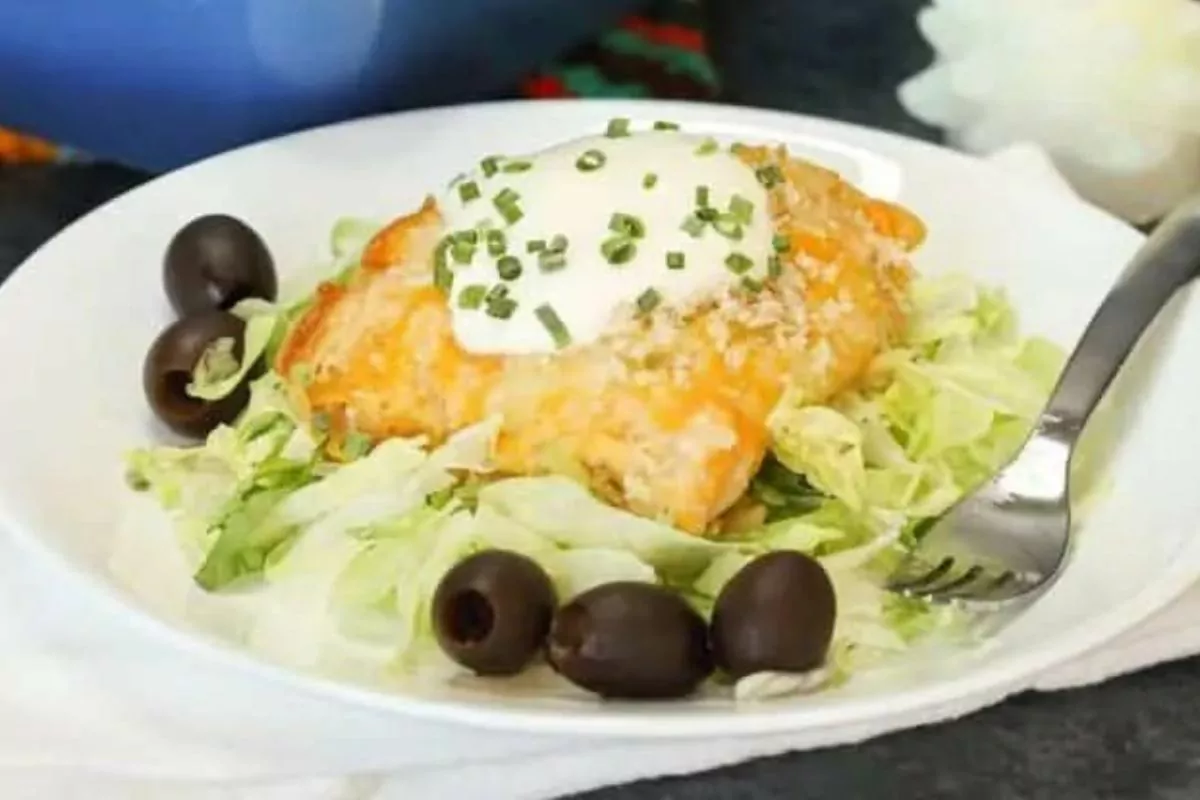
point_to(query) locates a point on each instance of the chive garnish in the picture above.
(707, 147)
(502, 308)
(648, 300)
(693, 225)
(553, 325)
(649, 180)
(470, 236)
(497, 244)
(738, 264)
(590, 161)
(618, 250)
(780, 243)
(509, 268)
(769, 176)
(702, 197)
(617, 128)
(471, 297)
(505, 197)
(558, 243)
(535, 245)
(497, 292)
(774, 267)
(728, 227)
(675, 260)
(462, 252)
(663, 125)
(490, 165)
(443, 277)
(517, 166)
(468, 192)
(512, 213)
(751, 285)
(551, 261)
(707, 214)
(741, 209)
(627, 225)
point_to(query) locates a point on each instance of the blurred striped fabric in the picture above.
(659, 53)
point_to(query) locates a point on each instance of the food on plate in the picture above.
(687, 399)
(775, 615)
(630, 640)
(214, 262)
(636, 336)
(492, 610)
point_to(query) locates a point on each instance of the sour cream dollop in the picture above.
(576, 232)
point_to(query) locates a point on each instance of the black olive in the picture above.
(630, 640)
(214, 262)
(492, 610)
(168, 368)
(776, 614)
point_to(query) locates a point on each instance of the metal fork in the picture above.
(1010, 537)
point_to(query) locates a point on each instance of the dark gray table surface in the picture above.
(1135, 737)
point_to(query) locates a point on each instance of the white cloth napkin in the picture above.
(93, 707)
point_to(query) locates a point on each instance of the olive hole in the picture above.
(173, 389)
(469, 617)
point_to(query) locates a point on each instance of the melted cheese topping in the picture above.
(627, 209)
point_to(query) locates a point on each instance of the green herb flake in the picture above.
(648, 300)
(471, 297)
(535, 246)
(558, 244)
(618, 250)
(708, 147)
(702, 196)
(497, 243)
(649, 180)
(490, 166)
(751, 285)
(462, 252)
(774, 267)
(443, 277)
(509, 268)
(664, 125)
(741, 209)
(512, 214)
(553, 325)
(627, 225)
(551, 261)
(468, 192)
(503, 308)
(590, 161)
(675, 260)
(728, 227)
(738, 264)
(780, 243)
(513, 167)
(693, 226)
(617, 128)
(769, 176)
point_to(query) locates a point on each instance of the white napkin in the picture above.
(91, 706)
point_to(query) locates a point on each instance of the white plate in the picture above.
(76, 320)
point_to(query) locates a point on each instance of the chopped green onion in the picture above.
(648, 300)
(470, 236)
(517, 166)
(535, 245)
(553, 325)
(617, 128)
(502, 308)
(549, 261)
(505, 197)
(558, 244)
(780, 243)
(751, 285)
(693, 225)
(627, 225)
(471, 297)
(702, 196)
(649, 180)
(618, 250)
(728, 227)
(774, 267)
(590, 161)
(741, 209)
(738, 264)
(491, 165)
(497, 244)
(662, 125)
(497, 292)
(512, 214)
(468, 191)
(708, 147)
(462, 252)
(707, 214)
(509, 268)
(356, 446)
(675, 260)
(769, 176)
(302, 373)
(443, 277)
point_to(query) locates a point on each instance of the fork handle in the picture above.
(1166, 263)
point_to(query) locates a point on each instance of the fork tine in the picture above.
(959, 584)
(916, 574)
